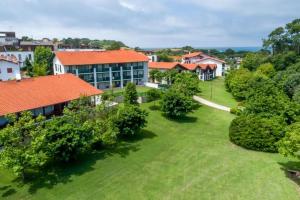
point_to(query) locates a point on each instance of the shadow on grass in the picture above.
(144, 134)
(291, 170)
(61, 173)
(154, 107)
(182, 119)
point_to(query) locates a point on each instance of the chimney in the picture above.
(18, 77)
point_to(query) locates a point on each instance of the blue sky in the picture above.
(150, 23)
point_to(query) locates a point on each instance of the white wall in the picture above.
(20, 55)
(58, 68)
(4, 65)
(211, 61)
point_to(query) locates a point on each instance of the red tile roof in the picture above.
(190, 55)
(205, 66)
(99, 57)
(190, 66)
(164, 65)
(27, 94)
(11, 58)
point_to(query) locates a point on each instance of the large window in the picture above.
(87, 77)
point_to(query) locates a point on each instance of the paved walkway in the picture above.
(211, 104)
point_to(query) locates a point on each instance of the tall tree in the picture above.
(43, 56)
(130, 96)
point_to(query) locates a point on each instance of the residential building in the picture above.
(203, 71)
(32, 45)
(8, 38)
(103, 69)
(20, 55)
(44, 95)
(9, 68)
(201, 58)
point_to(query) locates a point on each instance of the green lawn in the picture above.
(190, 159)
(140, 89)
(215, 91)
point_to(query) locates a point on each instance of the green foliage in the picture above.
(153, 94)
(43, 61)
(169, 76)
(289, 145)
(95, 44)
(28, 67)
(176, 105)
(237, 82)
(186, 83)
(253, 60)
(152, 74)
(130, 119)
(164, 58)
(266, 69)
(282, 61)
(291, 83)
(256, 132)
(130, 96)
(20, 141)
(296, 96)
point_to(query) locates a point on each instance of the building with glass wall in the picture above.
(103, 69)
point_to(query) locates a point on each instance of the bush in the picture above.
(130, 119)
(130, 96)
(175, 104)
(256, 133)
(153, 95)
(236, 110)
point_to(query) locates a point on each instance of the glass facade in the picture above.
(102, 73)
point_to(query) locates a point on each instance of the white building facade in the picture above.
(9, 68)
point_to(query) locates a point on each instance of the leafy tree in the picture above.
(296, 96)
(282, 61)
(130, 96)
(164, 58)
(237, 82)
(229, 52)
(20, 141)
(276, 40)
(289, 145)
(39, 70)
(256, 132)
(153, 95)
(28, 67)
(291, 83)
(152, 74)
(266, 69)
(159, 76)
(43, 56)
(186, 83)
(176, 105)
(170, 76)
(130, 119)
(252, 61)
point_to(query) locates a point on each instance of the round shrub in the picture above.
(256, 133)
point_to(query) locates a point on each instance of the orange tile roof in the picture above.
(205, 66)
(27, 94)
(190, 66)
(163, 65)
(190, 55)
(99, 57)
(11, 58)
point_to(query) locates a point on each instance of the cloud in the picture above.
(156, 23)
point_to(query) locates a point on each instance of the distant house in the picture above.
(44, 95)
(32, 45)
(203, 71)
(9, 68)
(103, 69)
(201, 58)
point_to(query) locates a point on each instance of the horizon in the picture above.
(215, 23)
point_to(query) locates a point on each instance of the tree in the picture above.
(291, 83)
(252, 61)
(43, 56)
(237, 82)
(266, 69)
(169, 75)
(20, 141)
(289, 145)
(276, 40)
(39, 69)
(186, 83)
(164, 58)
(153, 94)
(229, 52)
(130, 119)
(159, 76)
(152, 74)
(130, 96)
(256, 132)
(176, 105)
(28, 67)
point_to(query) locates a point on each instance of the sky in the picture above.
(150, 23)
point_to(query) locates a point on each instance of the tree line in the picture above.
(268, 88)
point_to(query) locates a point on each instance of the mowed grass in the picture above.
(215, 91)
(141, 90)
(187, 159)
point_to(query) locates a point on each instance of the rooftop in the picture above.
(27, 94)
(11, 58)
(99, 57)
(164, 65)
